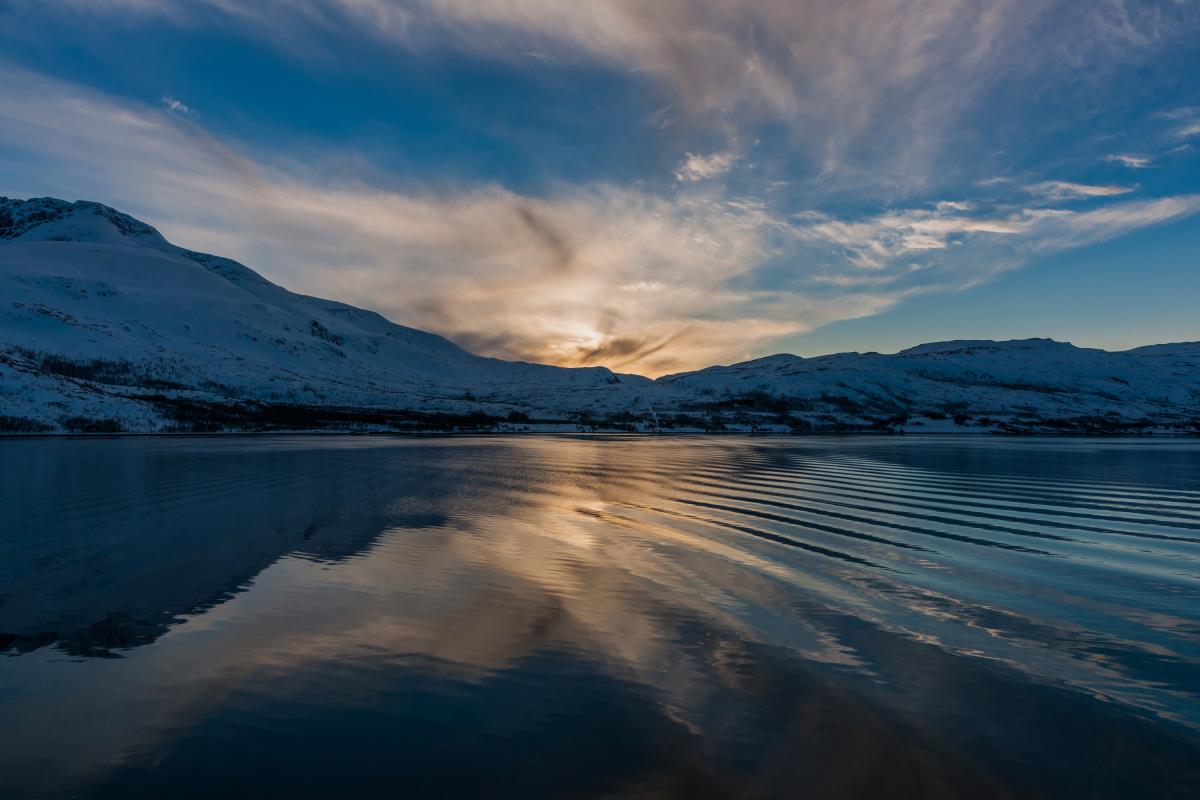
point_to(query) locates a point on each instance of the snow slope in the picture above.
(94, 288)
(1025, 384)
(104, 325)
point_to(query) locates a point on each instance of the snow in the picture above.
(101, 318)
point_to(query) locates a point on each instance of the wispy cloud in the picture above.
(697, 167)
(871, 92)
(1129, 160)
(879, 242)
(1065, 190)
(598, 273)
(176, 105)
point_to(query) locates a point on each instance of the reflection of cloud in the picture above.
(594, 552)
(460, 601)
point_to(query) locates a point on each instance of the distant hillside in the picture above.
(106, 326)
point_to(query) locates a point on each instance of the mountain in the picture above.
(100, 311)
(1030, 384)
(106, 326)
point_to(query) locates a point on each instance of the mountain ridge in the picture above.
(105, 325)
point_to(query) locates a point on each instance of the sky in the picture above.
(653, 187)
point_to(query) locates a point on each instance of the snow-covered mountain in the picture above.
(99, 310)
(104, 325)
(1025, 384)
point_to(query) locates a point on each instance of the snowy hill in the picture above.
(98, 308)
(104, 325)
(1032, 384)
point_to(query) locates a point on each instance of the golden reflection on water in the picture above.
(468, 559)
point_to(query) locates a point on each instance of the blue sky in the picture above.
(654, 186)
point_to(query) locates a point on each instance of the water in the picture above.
(318, 617)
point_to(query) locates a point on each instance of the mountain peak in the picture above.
(52, 219)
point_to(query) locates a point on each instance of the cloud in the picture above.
(869, 93)
(595, 273)
(878, 242)
(900, 254)
(1064, 190)
(698, 168)
(176, 105)
(1129, 160)
(1065, 230)
(1188, 131)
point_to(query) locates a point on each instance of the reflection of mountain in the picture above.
(559, 616)
(106, 548)
(106, 326)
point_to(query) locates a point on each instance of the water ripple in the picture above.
(600, 616)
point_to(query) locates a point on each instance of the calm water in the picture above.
(611, 617)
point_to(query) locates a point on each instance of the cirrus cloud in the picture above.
(1066, 190)
(697, 168)
(594, 274)
(1129, 160)
(813, 161)
(872, 92)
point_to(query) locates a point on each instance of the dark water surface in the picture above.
(321, 617)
